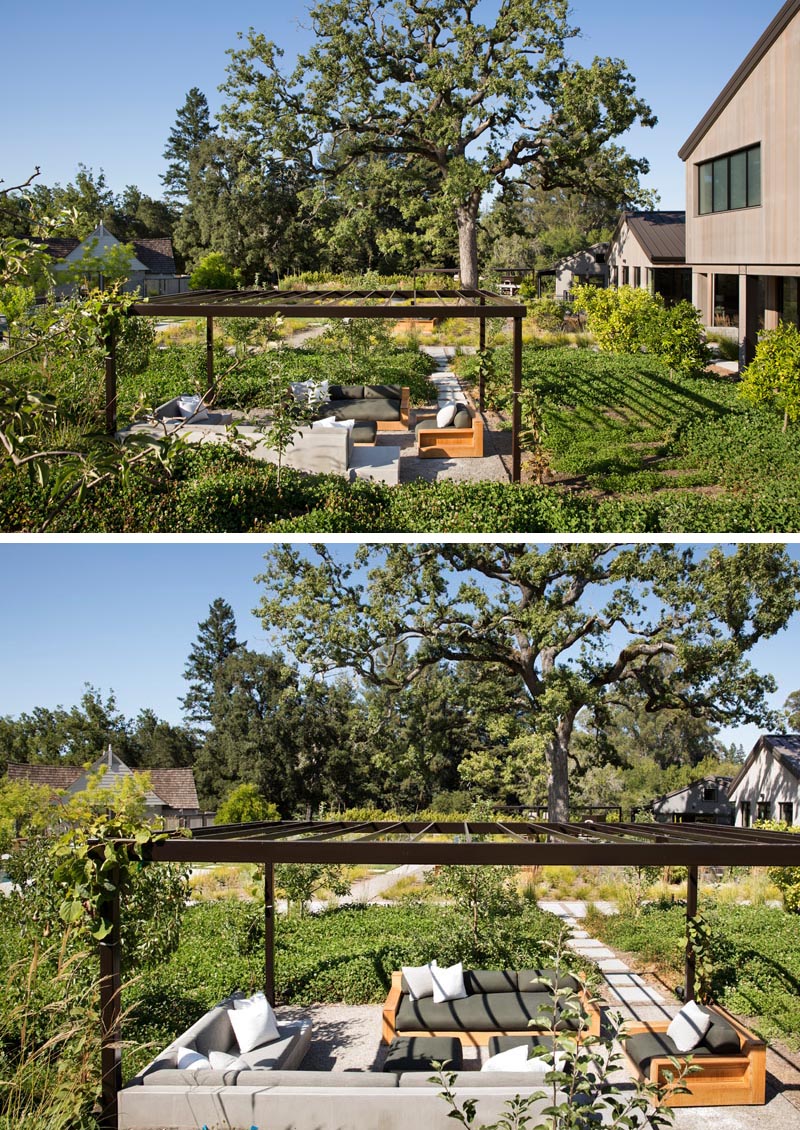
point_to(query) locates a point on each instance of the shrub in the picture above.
(214, 273)
(773, 377)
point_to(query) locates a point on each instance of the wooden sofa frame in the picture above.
(451, 443)
(470, 1039)
(722, 1080)
(400, 425)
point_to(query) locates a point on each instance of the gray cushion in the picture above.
(174, 1077)
(543, 980)
(721, 1037)
(373, 409)
(419, 1053)
(499, 1044)
(345, 392)
(490, 981)
(647, 1046)
(485, 1013)
(383, 392)
(364, 431)
(276, 1053)
(426, 425)
(462, 418)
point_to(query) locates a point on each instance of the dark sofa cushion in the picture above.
(383, 392)
(373, 409)
(647, 1046)
(543, 980)
(478, 1013)
(721, 1037)
(490, 980)
(345, 392)
(462, 418)
(499, 1044)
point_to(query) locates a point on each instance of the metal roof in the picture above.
(785, 748)
(332, 303)
(518, 843)
(761, 48)
(662, 235)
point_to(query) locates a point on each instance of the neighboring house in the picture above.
(173, 794)
(587, 266)
(743, 191)
(648, 252)
(701, 802)
(767, 787)
(152, 268)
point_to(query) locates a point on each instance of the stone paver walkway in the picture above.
(636, 999)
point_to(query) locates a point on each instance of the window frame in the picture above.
(711, 194)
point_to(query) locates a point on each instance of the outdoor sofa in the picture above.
(385, 405)
(497, 1002)
(730, 1061)
(460, 438)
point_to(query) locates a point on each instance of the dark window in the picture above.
(730, 182)
(709, 794)
(763, 810)
(600, 257)
(625, 276)
(787, 811)
(744, 809)
(637, 276)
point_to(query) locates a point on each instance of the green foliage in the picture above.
(244, 804)
(546, 313)
(24, 811)
(299, 882)
(773, 377)
(786, 879)
(214, 273)
(618, 318)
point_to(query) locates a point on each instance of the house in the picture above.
(151, 271)
(648, 251)
(767, 787)
(172, 795)
(587, 266)
(702, 802)
(743, 191)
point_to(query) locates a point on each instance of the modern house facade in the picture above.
(172, 794)
(151, 270)
(767, 787)
(702, 802)
(743, 191)
(648, 252)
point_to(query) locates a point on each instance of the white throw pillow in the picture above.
(332, 422)
(253, 1022)
(517, 1059)
(222, 1061)
(448, 984)
(299, 390)
(445, 416)
(192, 406)
(419, 981)
(688, 1027)
(189, 1059)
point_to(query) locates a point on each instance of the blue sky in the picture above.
(123, 617)
(100, 83)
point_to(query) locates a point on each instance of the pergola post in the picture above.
(210, 381)
(481, 348)
(111, 381)
(691, 913)
(516, 417)
(269, 932)
(110, 1013)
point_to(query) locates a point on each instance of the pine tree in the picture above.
(191, 127)
(216, 640)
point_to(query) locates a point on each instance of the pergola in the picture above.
(335, 304)
(483, 843)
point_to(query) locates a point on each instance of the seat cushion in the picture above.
(543, 980)
(383, 392)
(345, 392)
(479, 1013)
(373, 409)
(498, 1044)
(364, 431)
(311, 1079)
(419, 1053)
(490, 981)
(647, 1046)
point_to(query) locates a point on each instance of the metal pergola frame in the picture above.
(338, 303)
(481, 843)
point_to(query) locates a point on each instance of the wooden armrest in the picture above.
(405, 400)
(390, 1007)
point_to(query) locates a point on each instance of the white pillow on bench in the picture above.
(253, 1022)
(688, 1027)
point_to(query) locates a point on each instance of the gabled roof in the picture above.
(704, 782)
(173, 788)
(662, 235)
(773, 32)
(785, 748)
(154, 254)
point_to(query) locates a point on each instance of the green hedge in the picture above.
(217, 490)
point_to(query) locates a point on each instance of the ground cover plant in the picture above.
(752, 951)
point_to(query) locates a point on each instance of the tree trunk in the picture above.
(468, 244)
(558, 775)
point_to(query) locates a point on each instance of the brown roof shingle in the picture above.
(175, 787)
